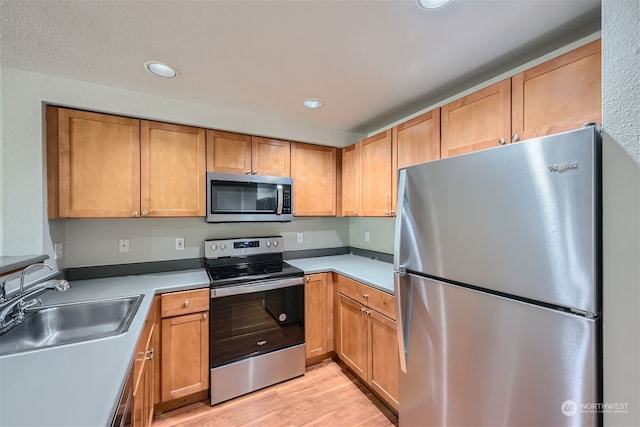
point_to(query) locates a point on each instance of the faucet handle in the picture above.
(24, 305)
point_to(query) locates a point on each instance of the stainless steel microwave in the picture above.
(248, 198)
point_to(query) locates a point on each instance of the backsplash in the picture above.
(90, 242)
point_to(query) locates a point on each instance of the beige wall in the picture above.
(621, 208)
(95, 242)
(380, 234)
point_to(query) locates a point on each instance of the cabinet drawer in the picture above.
(178, 303)
(351, 289)
(381, 302)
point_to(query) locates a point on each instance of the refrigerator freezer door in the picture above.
(521, 219)
(476, 359)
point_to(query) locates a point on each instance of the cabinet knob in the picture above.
(393, 213)
(135, 214)
(247, 173)
(502, 141)
(355, 213)
(149, 355)
(254, 173)
(308, 279)
(204, 316)
(363, 310)
(365, 295)
(186, 303)
(145, 213)
(515, 138)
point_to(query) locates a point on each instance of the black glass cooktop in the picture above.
(232, 271)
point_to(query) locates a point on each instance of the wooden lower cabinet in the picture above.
(318, 315)
(144, 373)
(383, 357)
(366, 342)
(185, 344)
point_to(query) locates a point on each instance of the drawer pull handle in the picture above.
(263, 342)
(186, 303)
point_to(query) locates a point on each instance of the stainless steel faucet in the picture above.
(27, 270)
(16, 306)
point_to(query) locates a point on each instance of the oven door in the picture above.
(249, 320)
(237, 198)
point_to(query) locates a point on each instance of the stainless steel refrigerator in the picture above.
(498, 286)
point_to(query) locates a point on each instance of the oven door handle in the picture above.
(259, 286)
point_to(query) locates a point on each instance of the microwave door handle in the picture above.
(279, 198)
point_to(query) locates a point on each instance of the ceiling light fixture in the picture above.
(432, 4)
(312, 103)
(161, 70)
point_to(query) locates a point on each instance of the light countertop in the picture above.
(79, 384)
(371, 272)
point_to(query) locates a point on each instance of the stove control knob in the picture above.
(268, 243)
(214, 247)
(223, 247)
(275, 243)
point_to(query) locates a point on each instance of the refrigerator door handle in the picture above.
(402, 185)
(399, 281)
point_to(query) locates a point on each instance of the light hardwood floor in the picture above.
(327, 395)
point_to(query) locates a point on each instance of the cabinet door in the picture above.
(313, 169)
(558, 95)
(383, 357)
(172, 170)
(228, 152)
(376, 175)
(97, 157)
(352, 348)
(351, 180)
(315, 314)
(415, 141)
(477, 121)
(185, 355)
(271, 157)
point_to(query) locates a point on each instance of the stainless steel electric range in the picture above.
(256, 335)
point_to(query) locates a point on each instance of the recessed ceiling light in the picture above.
(432, 4)
(312, 103)
(160, 69)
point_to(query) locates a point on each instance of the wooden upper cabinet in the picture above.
(173, 170)
(376, 175)
(270, 157)
(414, 141)
(244, 154)
(351, 180)
(93, 164)
(228, 152)
(313, 169)
(477, 121)
(558, 95)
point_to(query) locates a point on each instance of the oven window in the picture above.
(256, 323)
(238, 197)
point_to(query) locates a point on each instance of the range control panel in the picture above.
(242, 247)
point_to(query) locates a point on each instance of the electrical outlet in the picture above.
(300, 237)
(179, 243)
(367, 236)
(123, 245)
(59, 250)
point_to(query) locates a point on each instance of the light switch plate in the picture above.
(367, 236)
(59, 250)
(300, 237)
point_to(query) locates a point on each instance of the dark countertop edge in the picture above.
(113, 270)
(11, 263)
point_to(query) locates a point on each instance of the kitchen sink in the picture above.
(60, 324)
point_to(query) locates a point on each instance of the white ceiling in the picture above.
(370, 61)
